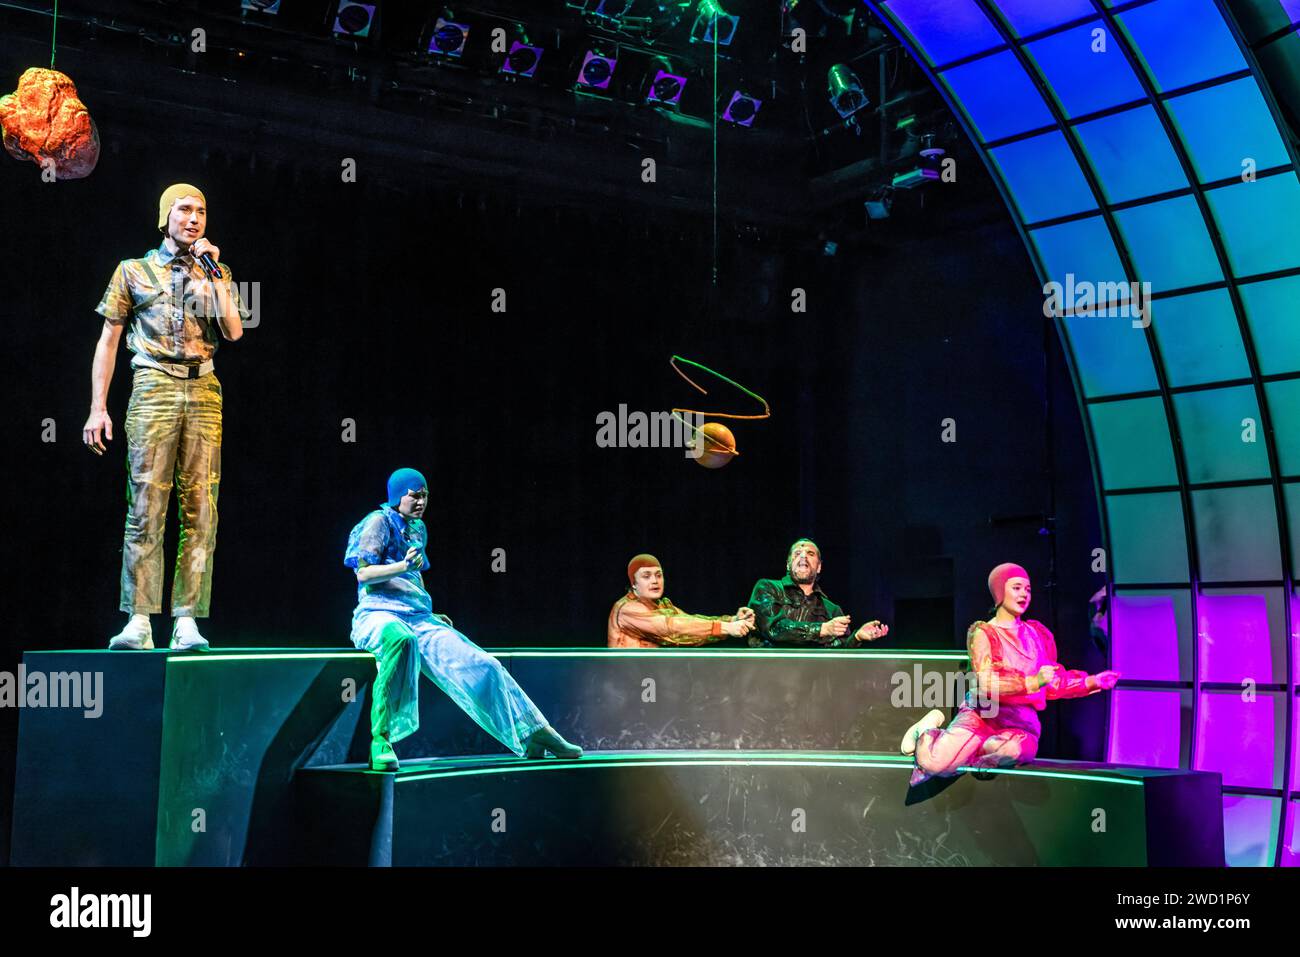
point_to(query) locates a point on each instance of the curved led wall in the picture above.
(1141, 152)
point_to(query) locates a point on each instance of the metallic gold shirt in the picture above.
(172, 308)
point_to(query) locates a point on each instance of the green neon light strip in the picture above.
(899, 762)
(277, 656)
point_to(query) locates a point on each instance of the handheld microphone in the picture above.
(210, 266)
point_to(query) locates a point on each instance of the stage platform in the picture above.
(700, 756)
(755, 808)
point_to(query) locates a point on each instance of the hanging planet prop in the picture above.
(719, 445)
(45, 121)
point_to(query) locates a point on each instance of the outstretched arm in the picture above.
(776, 626)
(1071, 683)
(672, 627)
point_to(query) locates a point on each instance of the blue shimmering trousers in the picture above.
(407, 645)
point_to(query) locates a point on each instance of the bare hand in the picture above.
(201, 246)
(1105, 680)
(412, 559)
(871, 631)
(97, 430)
(1049, 676)
(744, 612)
(737, 628)
(836, 627)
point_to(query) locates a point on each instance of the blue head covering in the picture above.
(403, 481)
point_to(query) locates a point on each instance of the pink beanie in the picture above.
(999, 576)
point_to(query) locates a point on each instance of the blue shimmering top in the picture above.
(382, 538)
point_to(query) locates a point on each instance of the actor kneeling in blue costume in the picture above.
(394, 620)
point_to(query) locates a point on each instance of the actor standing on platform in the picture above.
(644, 618)
(394, 621)
(173, 420)
(795, 611)
(1014, 661)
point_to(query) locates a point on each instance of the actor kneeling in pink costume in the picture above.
(1014, 660)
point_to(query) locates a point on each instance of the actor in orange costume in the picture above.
(644, 618)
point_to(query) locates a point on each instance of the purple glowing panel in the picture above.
(1146, 728)
(1249, 830)
(1144, 637)
(1237, 739)
(1295, 660)
(1234, 638)
(1291, 848)
(1031, 16)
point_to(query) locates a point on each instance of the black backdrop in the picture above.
(375, 306)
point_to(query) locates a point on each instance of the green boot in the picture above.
(382, 757)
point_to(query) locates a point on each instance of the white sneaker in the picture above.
(932, 719)
(186, 637)
(136, 636)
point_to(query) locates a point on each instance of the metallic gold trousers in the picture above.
(173, 436)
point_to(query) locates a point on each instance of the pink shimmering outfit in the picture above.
(999, 727)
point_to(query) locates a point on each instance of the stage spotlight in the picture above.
(522, 60)
(742, 109)
(354, 19)
(712, 17)
(448, 38)
(612, 9)
(845, 90)
(597, 71)
(666, 88)
(879, 207)
(260, 6)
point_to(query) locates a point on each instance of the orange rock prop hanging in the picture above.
(45, 121)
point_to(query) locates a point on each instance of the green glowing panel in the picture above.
(1082, 249)
(1133, 443)
(1169, 244)
(1236, 534)
(1147, 538)
(1273, 314)
(1258, 223)
(1043, 177)
(1284, 407)
(1226, 129)
(1110, 355)
(1291, 493)
(1182, 42)
(1199, 338)
(1132, 155)
(1223, 438)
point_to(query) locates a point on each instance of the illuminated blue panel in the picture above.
(1147, 538)
(947, 30)
(999, 97)
(1199, 338)
(1226, 125)
(1183, 42)
(1083, 248)
(1250, 830)
(1292, 8)
(1258, 224)
(1284, 406)
(1111, 356)
(1084, 81)
(1133, 443)
(1132, 155)
(1219, 444)
(1273, 312)
(1236, 534)
(1169, 244)
(1030, 16)
(1044, 177)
